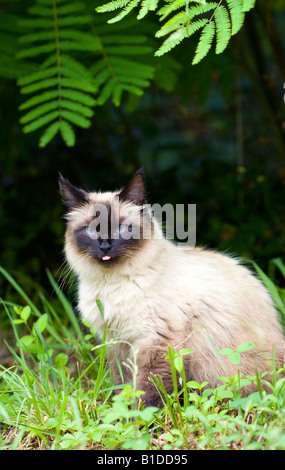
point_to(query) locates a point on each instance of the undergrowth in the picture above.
(57, 391)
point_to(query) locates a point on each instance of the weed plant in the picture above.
(58, 391)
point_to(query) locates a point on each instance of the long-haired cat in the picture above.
(156, 294)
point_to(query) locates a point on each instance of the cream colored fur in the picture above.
(166, 295)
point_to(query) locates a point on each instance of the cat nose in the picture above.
(105, 245)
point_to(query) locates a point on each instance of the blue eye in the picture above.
(121, 228)
(89, 230)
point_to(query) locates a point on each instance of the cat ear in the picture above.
(71, 195)
(135, 190)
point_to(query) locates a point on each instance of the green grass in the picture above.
(57, 392)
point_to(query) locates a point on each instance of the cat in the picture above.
(156, 294)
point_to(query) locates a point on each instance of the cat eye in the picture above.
(90, 231)
(121, 228)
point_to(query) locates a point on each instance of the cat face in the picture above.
(106, 228)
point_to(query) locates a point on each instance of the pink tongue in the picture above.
(106, 258)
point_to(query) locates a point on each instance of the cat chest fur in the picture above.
(133, 310)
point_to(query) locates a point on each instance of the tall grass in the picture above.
(58, 391)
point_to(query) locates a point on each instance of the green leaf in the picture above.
(205, 42)
(117, 95)
(178, 363)
(234, 357)
(193, 384)
(78, 84)
(100, 307)
(247, 5)
(35, 100)
(106, 92)
(223, 29)
(75, 118)
(35, 51)
(47, 118)
(76, 107)
(173, 40)
(147, 5)
(237, 14)
(41, 322)
(225, 351)
(67, 133)
(60, 360)
(185, 351)
(43, 84)
(79, 96)
(25, 313)
(27, 340)
(39, 75)
(245, 347)
(39, 111)
(178, 21)
(18, 321)
(131, 5)
(49, 133)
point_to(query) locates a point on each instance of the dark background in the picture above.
(216, 140)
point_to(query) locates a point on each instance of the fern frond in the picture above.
(247, 5)
(223, 28)
(61, 85)
(237, 14)
(205, 42)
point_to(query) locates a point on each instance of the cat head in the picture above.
(106, 229)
